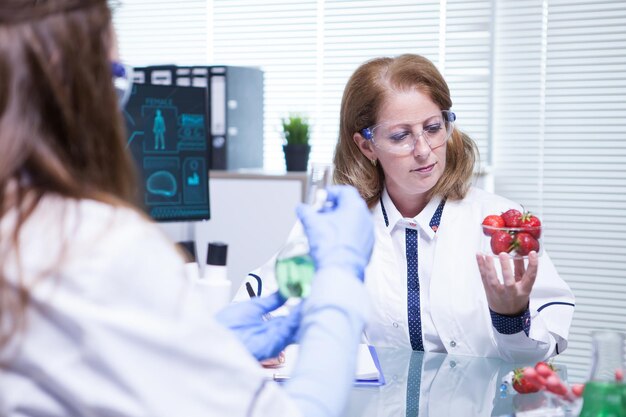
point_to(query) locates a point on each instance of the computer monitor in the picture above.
(167, 136)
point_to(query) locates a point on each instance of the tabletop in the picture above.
(419, 384)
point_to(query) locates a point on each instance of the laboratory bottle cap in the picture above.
(189, 248)
(216, 255)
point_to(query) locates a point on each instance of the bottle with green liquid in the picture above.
(294, 266)
(294, 269)
(605, 392)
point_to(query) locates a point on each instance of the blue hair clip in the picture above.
(367, 133)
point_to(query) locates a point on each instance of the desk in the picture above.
(448, 386)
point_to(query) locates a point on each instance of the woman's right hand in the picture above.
(341, 235)
(511, 297)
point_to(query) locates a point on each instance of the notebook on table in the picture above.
(367, 373)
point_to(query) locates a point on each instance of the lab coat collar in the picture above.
(394, 219)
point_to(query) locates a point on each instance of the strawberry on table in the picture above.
(522, 384)
(544, 369)
(501, 241)
(555, 385)
(532, 376)
(577, 389)
(512, 218)
(493, 220)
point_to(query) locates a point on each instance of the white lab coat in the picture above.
(456, 297)
(110, 331)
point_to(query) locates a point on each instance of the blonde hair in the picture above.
(362, 99)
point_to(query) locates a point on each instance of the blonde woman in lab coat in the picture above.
(399, 146)
(95, 315)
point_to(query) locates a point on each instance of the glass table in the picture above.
(440, 385)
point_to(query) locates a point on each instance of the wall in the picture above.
(252, 212)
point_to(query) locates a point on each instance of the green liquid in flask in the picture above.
(604, 399)
(294, 276)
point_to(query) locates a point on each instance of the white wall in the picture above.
(251, 212)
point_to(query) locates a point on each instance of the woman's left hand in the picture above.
(274, 362)
(264, 337)
(509, 298)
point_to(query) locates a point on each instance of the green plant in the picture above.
(296, 130)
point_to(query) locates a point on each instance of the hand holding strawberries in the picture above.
(511, 234)
(510, 297)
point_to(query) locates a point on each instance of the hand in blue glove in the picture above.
(341, 235)
(264, 338)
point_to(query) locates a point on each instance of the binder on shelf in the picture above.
(235, 96)
(368, 371)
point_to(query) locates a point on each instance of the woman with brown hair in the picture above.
(95, 316)
(399, 146)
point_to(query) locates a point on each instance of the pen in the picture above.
(250, 290)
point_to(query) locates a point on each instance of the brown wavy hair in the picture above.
(61, 131)
(362, 99)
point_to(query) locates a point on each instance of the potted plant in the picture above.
(296, 146)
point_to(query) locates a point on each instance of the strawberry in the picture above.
(555, 385)
(531, 224)
(512, 218)
(493, 220)
(577, 389)
(544, 369)
(525, 243)
(521, 384)
(501, 241)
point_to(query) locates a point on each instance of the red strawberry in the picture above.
(501, 241)
(512, 218)
(544, 369)
(555, 385)
(577, 389)
(493, 220)
(531, 224)
(521, 384)
(525, 243)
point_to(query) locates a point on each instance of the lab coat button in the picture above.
(452, 343)
(395, 324)
(452, 364)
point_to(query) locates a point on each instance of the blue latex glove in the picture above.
(264, 337)
(342, 233)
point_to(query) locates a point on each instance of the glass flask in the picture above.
(294, 266)
(605, 392)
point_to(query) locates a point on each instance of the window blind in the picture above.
(280, 37)
(309, 49)
(162, 31)
(561, 147)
